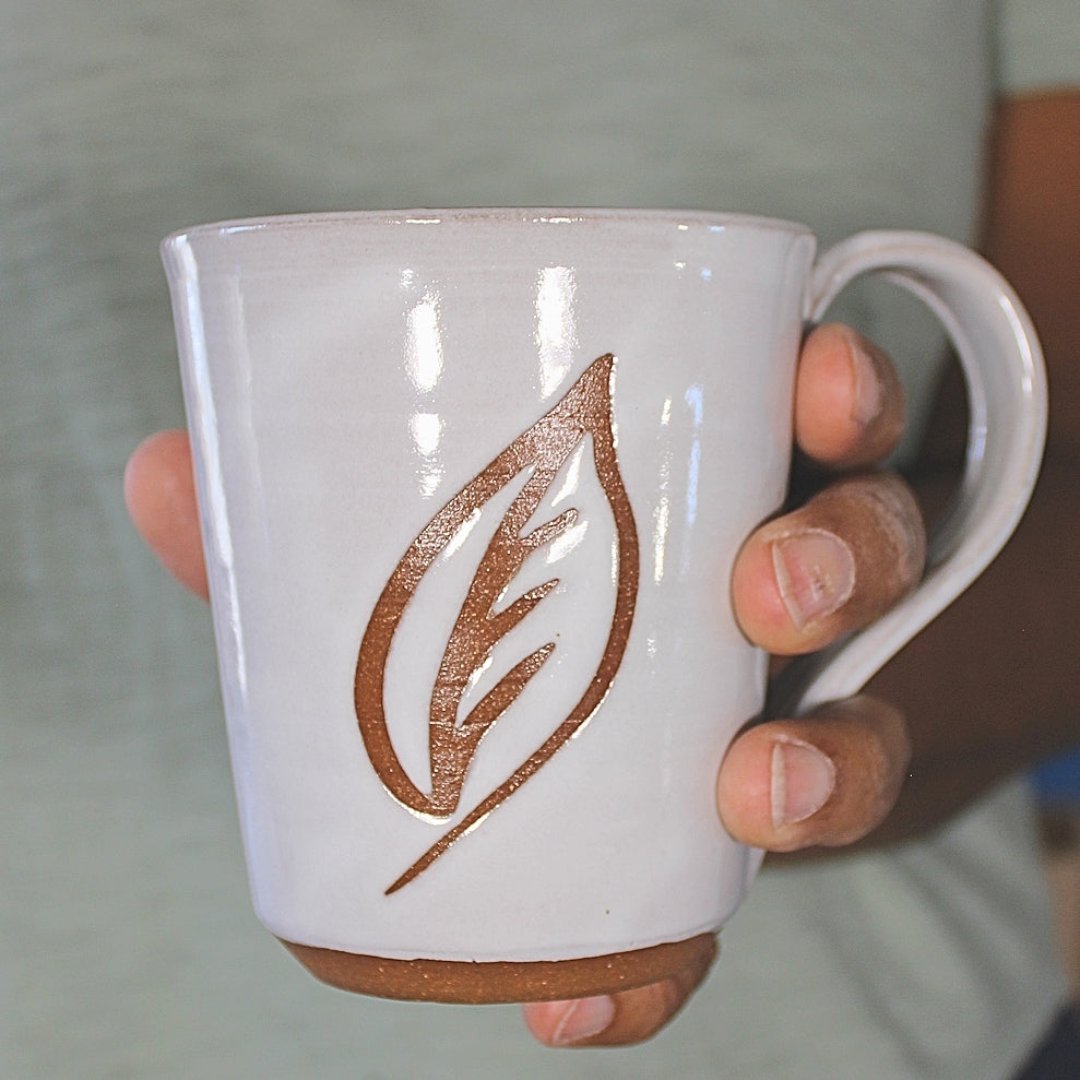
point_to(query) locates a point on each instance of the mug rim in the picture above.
(423, 217)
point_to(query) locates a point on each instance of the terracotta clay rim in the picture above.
(502, 982)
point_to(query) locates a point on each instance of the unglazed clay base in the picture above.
(462, 983)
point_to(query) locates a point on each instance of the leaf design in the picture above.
(586, 409)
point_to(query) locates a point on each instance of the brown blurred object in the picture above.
(1061, 845)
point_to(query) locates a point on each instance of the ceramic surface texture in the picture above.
(385, 408)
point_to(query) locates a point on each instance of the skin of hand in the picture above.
(800, 581)
(858, 772)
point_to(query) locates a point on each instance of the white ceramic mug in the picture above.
(472, 484)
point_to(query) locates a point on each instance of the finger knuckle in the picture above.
(879, 519)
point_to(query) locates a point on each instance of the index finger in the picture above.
(849, 403)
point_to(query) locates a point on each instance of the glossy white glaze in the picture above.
(345, 377)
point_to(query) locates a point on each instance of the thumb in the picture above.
(621, 1019)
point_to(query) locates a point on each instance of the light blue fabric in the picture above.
(1038, 46)
(126, 937)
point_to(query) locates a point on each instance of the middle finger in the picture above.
(832, 566)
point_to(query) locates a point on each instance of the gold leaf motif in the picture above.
(586, 409)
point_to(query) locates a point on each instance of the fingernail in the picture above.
(815, 571)
(869, 397)
(583, 1019)
(803, 778)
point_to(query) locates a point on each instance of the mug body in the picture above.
(472, 485)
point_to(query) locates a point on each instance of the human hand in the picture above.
(801, 581)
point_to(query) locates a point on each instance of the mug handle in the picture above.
(1006, 385)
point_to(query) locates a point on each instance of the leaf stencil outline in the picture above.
(585, 409)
